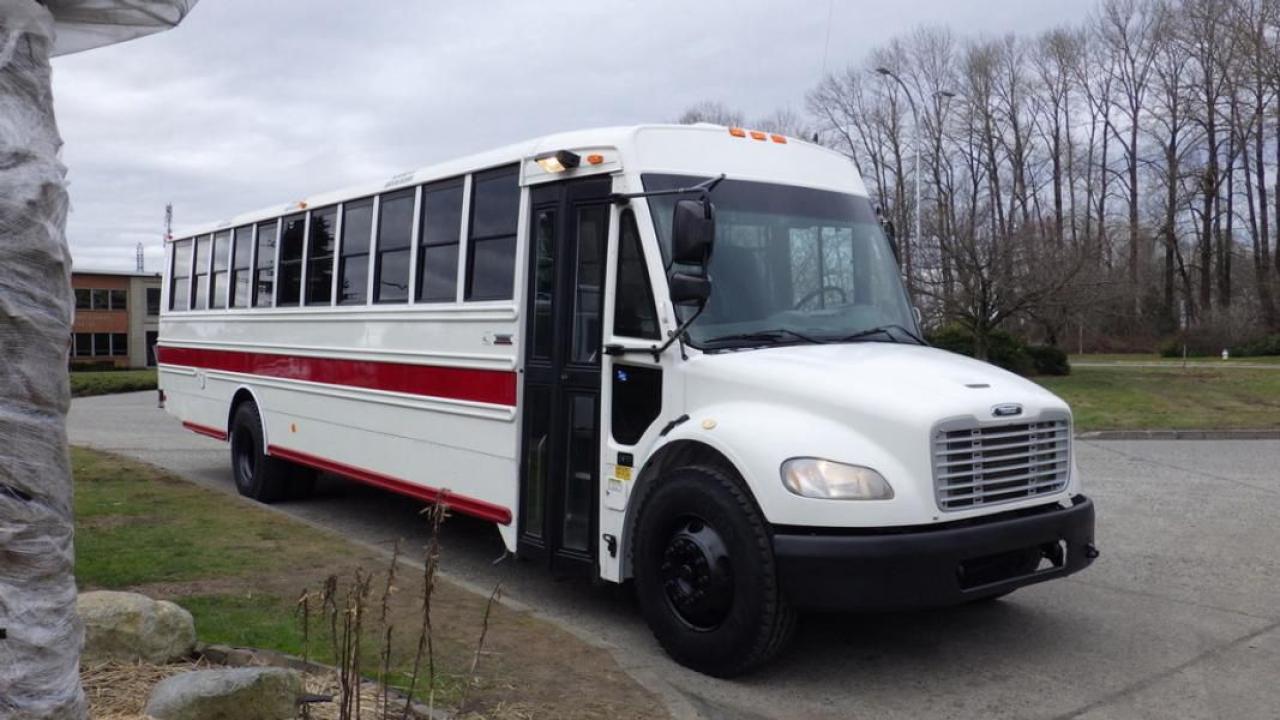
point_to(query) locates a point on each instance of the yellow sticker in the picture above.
(623, 472)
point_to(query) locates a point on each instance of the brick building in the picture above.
(117, 318)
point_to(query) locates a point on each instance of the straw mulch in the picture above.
(119, 691)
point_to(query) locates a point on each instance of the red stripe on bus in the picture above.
(214, 433)
(497, 387)
(461, 503)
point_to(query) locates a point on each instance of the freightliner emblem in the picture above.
(1008, 410)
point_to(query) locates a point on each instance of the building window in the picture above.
(101, 299)
(320, 256)
(633, 311)
(357, 229)
(83, 299)
(221, 268)
(438, 244)
(265, 273)
(491, 251)
(119, 344)
(84, 345)
(395, 235)
(200, 299)
(153, 301)
(101, 344)
(119, 300)
(180, 276)
(291, 242)
(240, 273)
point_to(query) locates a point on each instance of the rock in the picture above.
(264, 693)
(128, 627)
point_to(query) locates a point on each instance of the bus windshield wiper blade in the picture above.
(766, 335)
(884, 330)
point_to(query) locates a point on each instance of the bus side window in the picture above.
(180, 276)
(633, 311)
(221, 264)
(264, 283)
(491, 252)
(395, 235)
(240, 257)
(291, 242)
(201, 299)
(438, 245)
(320, 256)
(353, 276)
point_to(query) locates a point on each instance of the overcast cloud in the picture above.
(256, 102)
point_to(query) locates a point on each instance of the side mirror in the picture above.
(693, 231)
(687, 289)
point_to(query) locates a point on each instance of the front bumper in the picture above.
(891, 569)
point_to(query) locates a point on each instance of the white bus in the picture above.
(680, 356)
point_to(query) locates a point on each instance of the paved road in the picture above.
(1179, 618)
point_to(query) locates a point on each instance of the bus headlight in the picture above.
(827, 480)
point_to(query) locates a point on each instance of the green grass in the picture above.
(95, 382)
(240, 569)
(1147, 398)
(139, 525)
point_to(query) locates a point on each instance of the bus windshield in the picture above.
(790, 265)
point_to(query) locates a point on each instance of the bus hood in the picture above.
(880, 383)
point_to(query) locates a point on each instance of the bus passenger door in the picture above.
(560, 437)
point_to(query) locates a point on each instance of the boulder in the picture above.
(128, 627)
(262, 693)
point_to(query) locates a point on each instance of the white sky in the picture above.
(255, 102)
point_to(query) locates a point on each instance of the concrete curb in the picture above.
(1180, 435)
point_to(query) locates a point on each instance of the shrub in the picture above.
(1004, 349)
(1258, 347)
(1049, 360)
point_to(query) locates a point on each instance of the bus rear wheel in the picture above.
(705, 575)
(258, 475)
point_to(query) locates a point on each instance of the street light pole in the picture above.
(915, 118)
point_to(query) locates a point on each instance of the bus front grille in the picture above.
(979, 465)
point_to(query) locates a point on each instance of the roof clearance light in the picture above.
(780, 139)
(737, 132)
(558, 161)
(757, 135)
(595, 159)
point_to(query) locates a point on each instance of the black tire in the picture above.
(258, 475)
(705, 575)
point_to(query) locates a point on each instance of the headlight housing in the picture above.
(828, 480)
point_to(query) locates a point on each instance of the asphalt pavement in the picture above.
(1179, 617)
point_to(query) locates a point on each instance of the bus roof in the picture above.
(696, 149)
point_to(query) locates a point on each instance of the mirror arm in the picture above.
(657, 350)
(703, 188)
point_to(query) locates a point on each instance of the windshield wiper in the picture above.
(766, 335)
(884, 330)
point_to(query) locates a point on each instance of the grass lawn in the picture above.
(1149, 398)
(107, 382)
(241, 569)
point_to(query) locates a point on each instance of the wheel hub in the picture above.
(696, 574)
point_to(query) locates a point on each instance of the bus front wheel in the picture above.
(705, 575)
(258, 475)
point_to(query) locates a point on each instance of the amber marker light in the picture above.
(737, 132)
(595, 159)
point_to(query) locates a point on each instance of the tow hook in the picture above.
(1091, 551)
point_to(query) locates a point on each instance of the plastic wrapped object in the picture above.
(40, 634)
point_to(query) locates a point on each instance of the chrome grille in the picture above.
(978, 465)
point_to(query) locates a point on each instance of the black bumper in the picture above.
(934, 566)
